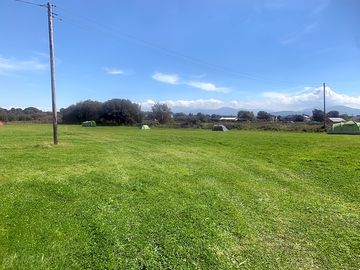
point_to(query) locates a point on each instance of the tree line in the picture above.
(114, 112)
(317, 116)
(27, 114)
(125, 112)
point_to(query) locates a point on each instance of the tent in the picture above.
(350, 127)
(89, 124)
(145, 127)
(219, 128)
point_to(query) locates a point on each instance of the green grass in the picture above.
(124, 198)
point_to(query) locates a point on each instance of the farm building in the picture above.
(229, 118)
(219, 128)
(307, 118)
(349, 127)
(336, 119)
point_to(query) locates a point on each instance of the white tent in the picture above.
(145, 127)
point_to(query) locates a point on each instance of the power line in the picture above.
(108, 30)
(53, 14)
(31, 3)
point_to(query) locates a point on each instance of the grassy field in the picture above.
(124, 198)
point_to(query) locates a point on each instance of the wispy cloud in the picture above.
(114, 71)
(12, 64)
(166, 78)
(310, 27)
(275, 4)
(357, 41)
(298, 35)
(313, 8)
(323, 4)
(199, 76)
(310, 98)
(175, 79)
(206, 86)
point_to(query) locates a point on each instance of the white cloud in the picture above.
(175, 79)
(207, 86)
(11, 64)
(147, 104)
(197, 103)
(166, 78)
(310, 98)
(114, 71)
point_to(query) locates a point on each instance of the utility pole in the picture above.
(324, 106)
(51, 14)
(52, 70)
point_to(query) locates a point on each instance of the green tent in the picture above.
(349, 127)
(145, 127)
(89, 124)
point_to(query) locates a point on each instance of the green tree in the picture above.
(121, 112)
(333, 114)
(262, 115)
(82, 111)
(299, 118)
(161, 112)
(317, 115)
(246, 115)
(3, 115)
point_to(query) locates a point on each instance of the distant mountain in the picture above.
(227, 111)
(344, 109)
(285, 113)
(339, 108)
(221, 111)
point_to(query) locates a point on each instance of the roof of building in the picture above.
(336, 119)
(229, 118)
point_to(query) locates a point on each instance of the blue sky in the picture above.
(270, 55)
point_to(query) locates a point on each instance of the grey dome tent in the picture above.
(219, 128)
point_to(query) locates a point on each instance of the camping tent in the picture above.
(145, 127)
(89, 124)
(349, 127)
(219, 128)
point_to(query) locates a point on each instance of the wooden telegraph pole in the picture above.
(51, 14)
(52, 70)
(324, 106)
